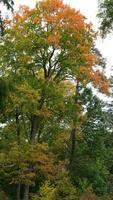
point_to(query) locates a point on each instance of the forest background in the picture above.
(56, 134)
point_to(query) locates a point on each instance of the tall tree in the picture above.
(46, 55)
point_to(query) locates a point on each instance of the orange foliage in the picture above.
(55, 17)
(35, 20)
(100, 81)
(51, 5)
(23, 14)
(53, 39)
(17, 17)
(89, 196)
(7, 21)
(97, 78)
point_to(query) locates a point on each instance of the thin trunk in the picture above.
(18, 192)
(18, 127)
(39, 134)
(35, 122)
(74, 129)
(34, 127)
(72, 146)
(1, 26)
(26, 192)
(25, 127)
(18, 142)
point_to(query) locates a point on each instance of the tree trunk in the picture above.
(18, 128)
(72, 146)
(26, 192)
(74, 129)
(18, 192)
(18, 142)
(35, 122)
(34, 127)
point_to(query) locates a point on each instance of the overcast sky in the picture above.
(89, 9)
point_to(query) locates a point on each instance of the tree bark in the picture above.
(74, 129)
(35, 122)
(18, 142)
(18, 192)
(72, 146)
(18, 127)
(34, 127)
(26, 192)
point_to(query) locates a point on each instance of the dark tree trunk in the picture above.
(74, 129)
(72, 147)
(34, 127)
(18, 192)
(18, 142)
(35, 122)
(26, 192)
(18, 128)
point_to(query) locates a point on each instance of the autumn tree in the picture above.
(46, 55)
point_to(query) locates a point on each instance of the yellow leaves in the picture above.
(47, 192)
(15, 153)
(37, 153)
(2, 157)
(24, 177)
(28, 93)
(25, 98)
(68, 87)
(79, 136)
(47, 113)
(20, 159)
(25, 59)
(40, 74)
(44, 112)
(35, 20)
(15, 100)
(60, 144)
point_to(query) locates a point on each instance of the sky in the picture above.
(89, 9)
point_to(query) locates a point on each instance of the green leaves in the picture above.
(105, 16)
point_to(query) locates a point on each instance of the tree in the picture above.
(47, 56)
(9, 4)
(106, 16)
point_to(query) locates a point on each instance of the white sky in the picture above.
(88, 8)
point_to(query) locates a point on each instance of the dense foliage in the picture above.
(105, 16)
(55, 134)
